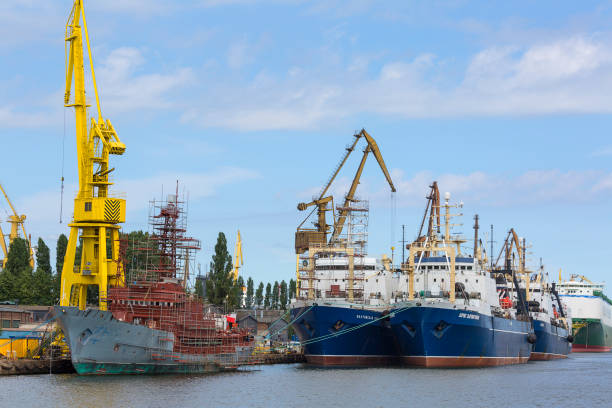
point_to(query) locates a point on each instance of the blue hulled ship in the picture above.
(457, 312)
(345, 336)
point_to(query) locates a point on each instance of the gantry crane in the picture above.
(238, 261)
(16, 222)
(304, 237)
(97, 215)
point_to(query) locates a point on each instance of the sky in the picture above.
(249, 104)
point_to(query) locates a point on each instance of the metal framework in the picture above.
(97, 215)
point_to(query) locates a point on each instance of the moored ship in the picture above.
(153, 325)
(591, 313)
(343, 294)
(455, 312)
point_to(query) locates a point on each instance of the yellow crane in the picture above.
(97, 215)
(16, 222)
(238, 261)
(304, 237)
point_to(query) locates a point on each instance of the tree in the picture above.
(236, 292)
(199, 287)
(18, 257)
(283, 295)
(42, 279)
(292, 289)
(43, 259)
(249, 293)
(259, 296)
(267, 298)
(17, 275)
(275, 295)
(136, 259)
(60, 252)
(220, 281)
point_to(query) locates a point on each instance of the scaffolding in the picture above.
(156, 295)
(318, 279)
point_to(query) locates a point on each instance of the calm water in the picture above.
(583, 380)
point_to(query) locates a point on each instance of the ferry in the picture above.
(591, 314)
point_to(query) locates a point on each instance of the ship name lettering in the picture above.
(469, 316)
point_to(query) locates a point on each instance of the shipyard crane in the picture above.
(17, 222)
(238, 261)
(305, 237)
(97, 214)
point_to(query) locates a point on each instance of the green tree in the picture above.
(7, 285)
(42, 279)
(292, 289)
(283, 295)
(267, 297)
(259, 294)
(136, 259)
(275, 295)
(236, 292)
(17, 275)
(249, 293)
(18, 257)
(60, 252)
(199, 286)
(220, 281)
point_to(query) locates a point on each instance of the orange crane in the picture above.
(304, 237)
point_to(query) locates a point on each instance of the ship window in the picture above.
(417, 279)
(443, 267)
(463, 267)
(436, 267)
(88, 206)
(469, 268)
(6, 324)
(434, 279)
(466, 281)
(335, 280)
(442, 280)
(476, 280)
(376, 280)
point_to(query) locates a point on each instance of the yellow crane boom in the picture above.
(16, 222)
(304, 237)
(238, 261)
(350, 196)
(96, 216)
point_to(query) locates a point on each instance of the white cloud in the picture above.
(569, 75)
(536, 187)
(124, 88)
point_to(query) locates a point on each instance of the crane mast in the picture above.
(96, 217)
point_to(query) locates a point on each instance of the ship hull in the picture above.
(551, 342)
(432, 336)
(370, 345)
(591, 336)
(100, 344)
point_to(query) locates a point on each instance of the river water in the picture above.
(583, 380)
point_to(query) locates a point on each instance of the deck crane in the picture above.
(238, 261)
(304, 237)
(97, 215)
(16, 222)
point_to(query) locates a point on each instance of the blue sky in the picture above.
(249, 103)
